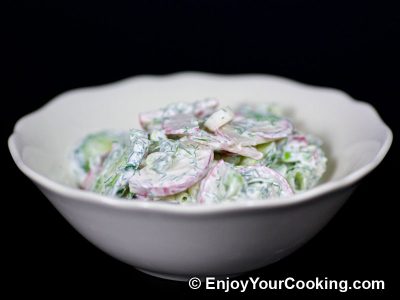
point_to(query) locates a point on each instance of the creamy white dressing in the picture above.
(199, 153)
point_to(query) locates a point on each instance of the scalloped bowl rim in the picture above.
(297, 199)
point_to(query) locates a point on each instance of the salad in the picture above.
(201, 153)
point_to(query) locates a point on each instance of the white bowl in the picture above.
(178, 242)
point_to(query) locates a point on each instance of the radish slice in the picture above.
(205, 107)
(180, 125)
(263, 183)
(249, 132)
(216, 142)
(153, 120)
(219, 118)
(244, 151)
(172, 170)
(223, 143)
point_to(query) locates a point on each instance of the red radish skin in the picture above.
(149, 183)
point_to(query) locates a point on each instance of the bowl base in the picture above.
(184, 277)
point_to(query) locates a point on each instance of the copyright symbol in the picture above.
(194, 283)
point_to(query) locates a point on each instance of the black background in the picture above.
(53, 46)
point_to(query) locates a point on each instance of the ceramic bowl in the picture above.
(178, 242)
